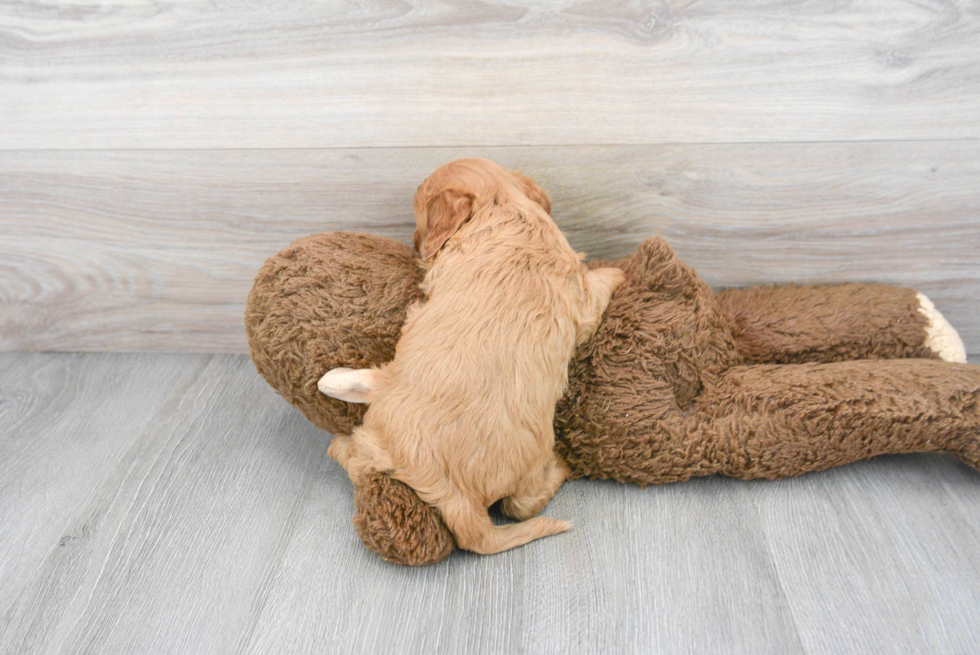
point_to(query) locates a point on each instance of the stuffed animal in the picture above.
(678, 381)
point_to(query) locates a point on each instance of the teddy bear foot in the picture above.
(941, 337)
(970, 460)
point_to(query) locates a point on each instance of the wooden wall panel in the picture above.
(197, 74)
(156, 250)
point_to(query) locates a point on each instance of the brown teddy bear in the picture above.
(766, 382)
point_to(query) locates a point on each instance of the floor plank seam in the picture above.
(114, 541)
(269, 581)
(511, 146)
(771, 560)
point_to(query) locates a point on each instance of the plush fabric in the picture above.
(677, 382)
(759, 317)
(325, 301)
(392, 522)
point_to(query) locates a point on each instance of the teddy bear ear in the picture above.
(393, 522)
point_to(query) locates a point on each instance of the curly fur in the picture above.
(464, 412)
(677, 382)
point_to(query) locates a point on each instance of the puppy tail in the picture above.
(473, 529)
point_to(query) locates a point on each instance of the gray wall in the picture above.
(151, 156)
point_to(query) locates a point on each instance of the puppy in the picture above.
(463, 414)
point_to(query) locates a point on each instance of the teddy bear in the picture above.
(678, 381)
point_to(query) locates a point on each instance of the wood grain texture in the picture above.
(880, 516)
(157, 250)
(196, 74)
(64, 432)
(587, 592)
(222, 527)
(172, 550)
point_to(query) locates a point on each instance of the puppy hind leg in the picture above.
(474, 531)
(339, 449)
(535, 491)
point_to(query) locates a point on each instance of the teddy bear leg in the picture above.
(773, 421)
(393, 521)
(349, 385)
(535, 491)
(971, 457)
(791, 324)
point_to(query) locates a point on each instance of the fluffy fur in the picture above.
(766, 382)
(464, 412)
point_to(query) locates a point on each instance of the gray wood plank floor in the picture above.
(175, 504)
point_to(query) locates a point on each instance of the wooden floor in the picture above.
(154, 503)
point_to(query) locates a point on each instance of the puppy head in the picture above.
(456, 192)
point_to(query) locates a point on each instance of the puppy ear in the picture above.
(534, 192)
(394, 522)
(445, 214)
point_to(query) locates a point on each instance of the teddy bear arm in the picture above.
(348, 384)
(837, 322)
(775, 421)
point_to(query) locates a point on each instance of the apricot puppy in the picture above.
(463, 414)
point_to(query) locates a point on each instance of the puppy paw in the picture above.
(611, 277)
(520, 509)
(941, 337)
(602, 283)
